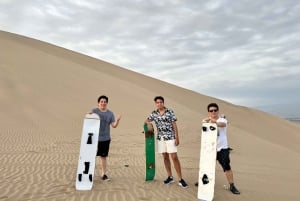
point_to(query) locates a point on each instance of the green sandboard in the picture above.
(150, 152)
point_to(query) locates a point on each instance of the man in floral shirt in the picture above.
(167, 138)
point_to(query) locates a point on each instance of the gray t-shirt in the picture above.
(106, 118)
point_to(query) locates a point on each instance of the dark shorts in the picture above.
(103, 148)
(223, 159)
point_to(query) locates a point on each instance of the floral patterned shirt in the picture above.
(165, 130)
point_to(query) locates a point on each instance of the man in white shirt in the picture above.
(222, 144)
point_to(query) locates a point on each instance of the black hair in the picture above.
(103, 97)
(159, 98)
(212, 105)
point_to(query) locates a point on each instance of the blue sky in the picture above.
(244, 52)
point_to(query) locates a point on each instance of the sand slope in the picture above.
(46, 90)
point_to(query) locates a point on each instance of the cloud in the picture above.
(246, 52)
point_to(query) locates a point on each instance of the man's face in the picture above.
(213, 112)
(159, 104)
(102, 104)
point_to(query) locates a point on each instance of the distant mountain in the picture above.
(291, 110)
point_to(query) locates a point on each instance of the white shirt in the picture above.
(222, 136)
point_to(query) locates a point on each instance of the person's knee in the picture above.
(174, 157)
(166, 156)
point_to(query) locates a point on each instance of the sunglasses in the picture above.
(215, 110)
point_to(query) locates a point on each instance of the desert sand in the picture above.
(46, 90)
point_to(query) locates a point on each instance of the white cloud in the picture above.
(249, 47)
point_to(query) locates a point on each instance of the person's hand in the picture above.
(213, 121)
(207, 120)
(176, 141)
(118, 117)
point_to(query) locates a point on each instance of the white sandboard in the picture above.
(207, 165)
(88, 151)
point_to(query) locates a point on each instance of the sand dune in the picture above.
(45, 91)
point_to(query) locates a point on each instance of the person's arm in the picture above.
(207, 120)
(147, 121)
(91, 112)
(219, 123)
(176, 133)
(116, 123)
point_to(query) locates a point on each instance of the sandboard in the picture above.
(207, 164)
(88, 151)
(149, 151)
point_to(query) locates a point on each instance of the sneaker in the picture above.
(182, 183)
(169, 180)
(233, 189)
(105, 178)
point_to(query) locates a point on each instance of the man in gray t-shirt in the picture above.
(107, 119)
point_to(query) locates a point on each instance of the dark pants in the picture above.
(223, 159)
(103, 148)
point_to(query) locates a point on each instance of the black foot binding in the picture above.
(79, 177)
(212, 128)
(89, 141)
(86, 167)
(205, 179)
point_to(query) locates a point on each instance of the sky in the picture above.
(244, 52)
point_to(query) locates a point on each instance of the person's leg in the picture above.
(172, 149)
(162, 148)
(103, 166)
(229, 176)
(177, 167)
(176, 163)
(232, 187)
(103, 149)
(224, 160)
(167, 163)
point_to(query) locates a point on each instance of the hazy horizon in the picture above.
(283, 110)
